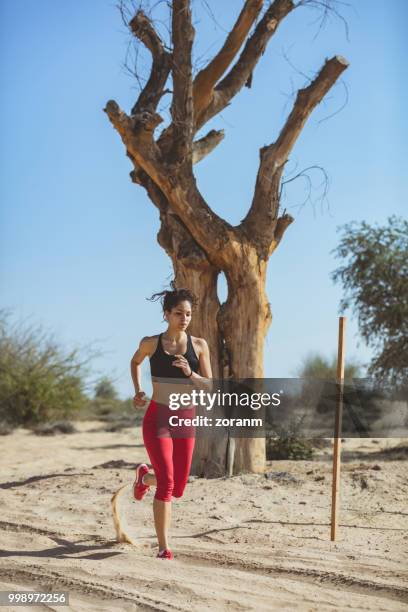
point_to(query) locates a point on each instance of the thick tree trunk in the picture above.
(244, 320)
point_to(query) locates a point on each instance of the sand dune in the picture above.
(245, 543)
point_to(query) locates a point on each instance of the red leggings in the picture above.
(170, 449)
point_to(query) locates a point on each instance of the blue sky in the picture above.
(78, 240)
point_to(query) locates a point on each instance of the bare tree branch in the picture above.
(306, 101)
(204, 146)
(341, 107)
(139, 142)
(146, 105)
(201, 148)
(262, 217)
(241, 73)
(282, 224)
(326, 8)
(217, 237)
(173, 236)
(303, 174)
(182, 103)
(143, 29)
(208, 77)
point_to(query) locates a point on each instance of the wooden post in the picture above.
(337, 428)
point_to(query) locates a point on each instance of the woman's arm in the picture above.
(136, 370)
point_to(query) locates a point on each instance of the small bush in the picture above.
(105, 390)
(284, 442)
(39, 382)
(289, 448)
(318, 367)
(50, 429)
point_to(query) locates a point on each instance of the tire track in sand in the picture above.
(39, 575)
(342, 581)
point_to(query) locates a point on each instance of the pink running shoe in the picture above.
(165, 554)
(140, 489)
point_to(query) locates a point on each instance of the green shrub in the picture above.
(318, 367)
(105, 389)
(284, 442)
(58, 427)
(289, 448)
(117, 413)
(39, 382)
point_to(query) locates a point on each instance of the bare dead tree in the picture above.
(199, 242)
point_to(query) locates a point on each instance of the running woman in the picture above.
(172, 354)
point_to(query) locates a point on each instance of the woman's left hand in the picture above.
(182, 363)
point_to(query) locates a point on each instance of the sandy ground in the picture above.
(245, 543)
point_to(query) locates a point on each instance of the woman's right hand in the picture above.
(139, 399)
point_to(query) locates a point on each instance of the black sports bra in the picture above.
(161, 362)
